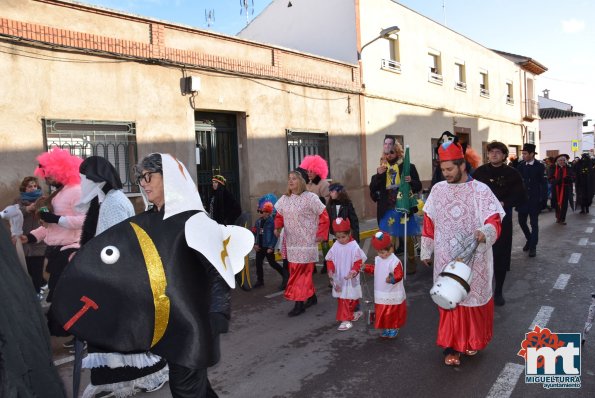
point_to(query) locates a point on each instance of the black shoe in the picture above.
(258, 284)
(499, 300)
(315, 269)
(312, 300)
(532, 252)
(298, 309)
(526, 247)
(323, 269)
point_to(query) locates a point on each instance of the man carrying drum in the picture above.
(462, 206)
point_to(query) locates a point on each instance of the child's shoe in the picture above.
(392, 333)
(345, 325)
(384, 334)
(357, 315)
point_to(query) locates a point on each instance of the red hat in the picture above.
(341, 225)
(267, 207)
(381, 240)
(450, 151)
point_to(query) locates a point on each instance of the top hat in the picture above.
(529, 148)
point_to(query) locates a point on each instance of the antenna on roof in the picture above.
(444, 12)
(209, 17)
(247, 7)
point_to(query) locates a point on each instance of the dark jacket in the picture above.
(505, 182)
(223, 207)
(266, 228)
(346, 211)
(535, 184)
(561, 186)
(386, 199)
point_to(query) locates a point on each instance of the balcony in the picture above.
(434, 76)
(531, 110)
(391, 65)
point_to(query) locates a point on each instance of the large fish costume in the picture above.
(146, 283)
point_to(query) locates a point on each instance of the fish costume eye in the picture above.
(110, 254)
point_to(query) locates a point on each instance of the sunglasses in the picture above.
(146, 177)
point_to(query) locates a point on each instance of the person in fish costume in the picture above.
(158, 281)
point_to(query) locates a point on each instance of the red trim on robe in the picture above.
(279, 221)
(357, 265)
(323, 226)
(428, 227)
(330, 266)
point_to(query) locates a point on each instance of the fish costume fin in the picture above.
(223, 246)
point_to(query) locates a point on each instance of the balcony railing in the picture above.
(391, 65)
(531, 110)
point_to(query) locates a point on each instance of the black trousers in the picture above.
(501, 251)
(260, 256)
(189, 383)
(35, 270)
(57, 261)
(532, 235)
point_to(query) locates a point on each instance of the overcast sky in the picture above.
(557, 34)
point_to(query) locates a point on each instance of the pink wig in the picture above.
(60, 165)
(316, 164)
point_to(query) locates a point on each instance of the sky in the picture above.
(558, 34)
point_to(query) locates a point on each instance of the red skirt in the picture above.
(390, 316)
(300, 286)
(466, 328)
(345, 309)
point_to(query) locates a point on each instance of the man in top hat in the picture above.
(506, 183)
(458, 211)
(533, 174)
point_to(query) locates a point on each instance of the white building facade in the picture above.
(417, 82)
(561, 129)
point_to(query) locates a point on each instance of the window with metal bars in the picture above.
(301, 143)
(115, 141)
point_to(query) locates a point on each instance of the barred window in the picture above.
(115, 141)
(303, 143)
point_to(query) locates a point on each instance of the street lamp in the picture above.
(384, 34)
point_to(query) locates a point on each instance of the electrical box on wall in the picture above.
(190, 84)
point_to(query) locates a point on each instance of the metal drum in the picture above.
(452, 285)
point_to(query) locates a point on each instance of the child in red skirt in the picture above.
(389, 292)
(344, 261)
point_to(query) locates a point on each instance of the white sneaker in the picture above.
(357, 315)
(345, 325)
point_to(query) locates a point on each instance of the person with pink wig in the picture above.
(317, 169)
(61, 221)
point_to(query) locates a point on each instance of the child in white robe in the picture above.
(344, 261)
(389, 293)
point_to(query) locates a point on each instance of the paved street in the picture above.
(267, 354)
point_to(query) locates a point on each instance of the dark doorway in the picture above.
(216, 152)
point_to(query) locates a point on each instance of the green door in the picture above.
(216, 152)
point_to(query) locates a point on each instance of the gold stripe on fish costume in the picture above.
(224, 252)
(157, 281)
